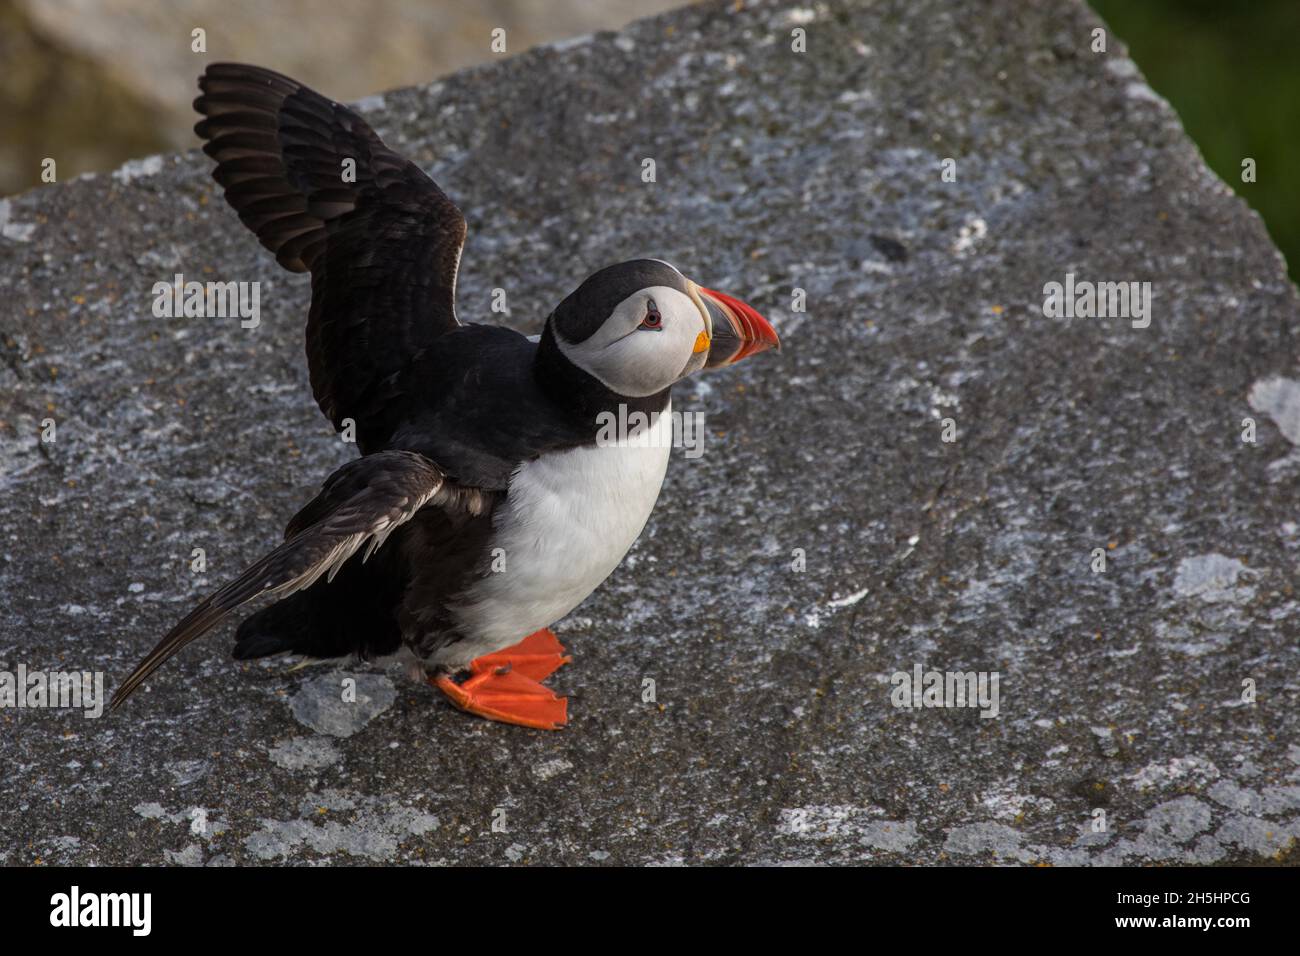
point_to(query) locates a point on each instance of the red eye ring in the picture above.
(653, 320)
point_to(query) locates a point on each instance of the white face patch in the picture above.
(636, 361)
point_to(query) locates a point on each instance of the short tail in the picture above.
(283, 628)
(351, 617)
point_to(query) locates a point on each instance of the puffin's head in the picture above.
(641, 325)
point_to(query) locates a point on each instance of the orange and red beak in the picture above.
(738, 330)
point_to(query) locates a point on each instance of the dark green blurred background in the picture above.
(1231, 68)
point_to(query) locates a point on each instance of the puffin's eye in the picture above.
(653, 320)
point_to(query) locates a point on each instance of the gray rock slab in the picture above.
(1146, 712)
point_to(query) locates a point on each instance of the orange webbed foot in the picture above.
(505, 685)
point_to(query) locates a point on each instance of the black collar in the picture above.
(579, 393)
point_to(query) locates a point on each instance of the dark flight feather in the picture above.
(383, 250)
(358, 506)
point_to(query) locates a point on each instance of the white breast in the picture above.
(568, 520)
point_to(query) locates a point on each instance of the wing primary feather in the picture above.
(327, 196)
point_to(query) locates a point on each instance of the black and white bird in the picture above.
(485, 506)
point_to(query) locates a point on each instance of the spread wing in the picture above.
(357, 507)
(382, 242)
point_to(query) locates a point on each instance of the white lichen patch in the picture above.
(969, 235)
(848, 600)
(304, 753)
(1122, 67)
(201, 821)
(151, 811)
(982, 838)
(1007, 803)
(192, 855)
(373, 829)
(1279, 399)
(1141, 91)
(894, 836)
(1178, 820)
(1212, 578)
(551, 768)
(185, 772)
(340, 704)
(138, 168)
(17, 231)
(1179, 769)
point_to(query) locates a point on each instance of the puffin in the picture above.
(490, 498)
